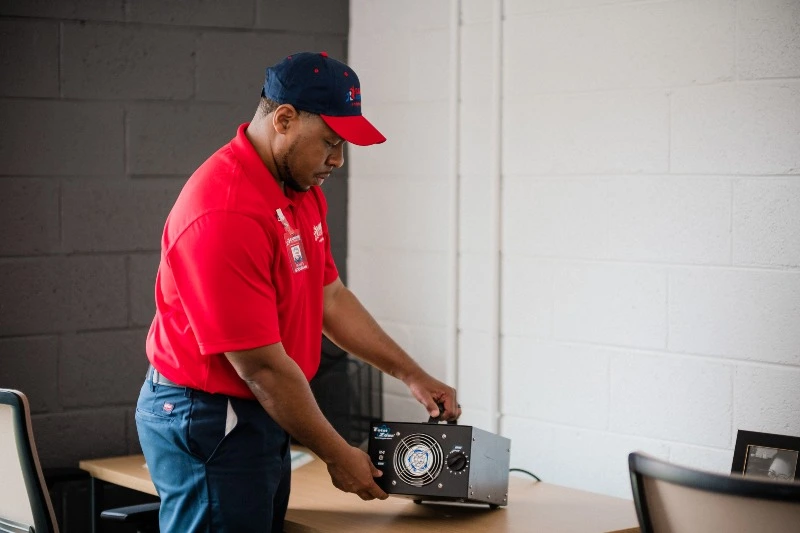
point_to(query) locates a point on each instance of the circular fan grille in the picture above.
(418, 459)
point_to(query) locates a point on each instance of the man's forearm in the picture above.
(350, 326)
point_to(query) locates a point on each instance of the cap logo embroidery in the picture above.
(354, 96)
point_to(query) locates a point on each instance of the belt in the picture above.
(159, 379)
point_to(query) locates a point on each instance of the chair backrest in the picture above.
(671, 498)
(24, 502)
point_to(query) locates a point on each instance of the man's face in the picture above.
(313, 151)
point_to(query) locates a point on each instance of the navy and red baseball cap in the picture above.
(326, 87)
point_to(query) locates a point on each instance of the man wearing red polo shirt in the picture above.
(245, 287)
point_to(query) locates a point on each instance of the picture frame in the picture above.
(766, 455)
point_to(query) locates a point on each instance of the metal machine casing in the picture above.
(441, 462)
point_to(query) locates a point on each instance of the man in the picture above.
(245, 287)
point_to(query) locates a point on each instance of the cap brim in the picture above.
(354, 129)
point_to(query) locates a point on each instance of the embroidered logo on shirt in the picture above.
(318, 233)
(168, 407)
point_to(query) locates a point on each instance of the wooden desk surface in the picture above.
(316, 506)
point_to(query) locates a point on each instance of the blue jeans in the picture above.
(220, 464)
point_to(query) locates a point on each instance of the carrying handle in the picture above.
(438, 420)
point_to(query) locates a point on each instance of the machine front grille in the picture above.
(418, 459)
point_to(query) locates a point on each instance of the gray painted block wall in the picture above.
(106, 107)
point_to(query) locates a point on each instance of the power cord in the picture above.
(534, 476)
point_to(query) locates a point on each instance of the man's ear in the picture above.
(283, 117)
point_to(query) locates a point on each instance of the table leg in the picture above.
(96, 496)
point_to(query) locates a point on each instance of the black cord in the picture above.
(534, 476)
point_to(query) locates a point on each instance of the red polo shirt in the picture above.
(227, 280)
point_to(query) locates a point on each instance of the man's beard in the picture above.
(285, 173)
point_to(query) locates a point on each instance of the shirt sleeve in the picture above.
(222, 270)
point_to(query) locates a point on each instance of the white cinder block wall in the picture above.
(587, 216)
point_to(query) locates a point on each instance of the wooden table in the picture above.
(315, 506)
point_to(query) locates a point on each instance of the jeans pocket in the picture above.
(210, 424)
(144, 415)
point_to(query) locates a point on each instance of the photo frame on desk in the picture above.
(766, 455)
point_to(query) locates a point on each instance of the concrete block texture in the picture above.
(768, 43)
(401, 285)
(87, 141)
(643, 393)
(394, 213)
(475, 369)
(767, 399)
(736, 129)
(29, 210)
(477, 224)
(134, 447)
(421, 129)
(426, 344)
(29, 58)
(702, 457)
(108, 10)
(766, 222)
(63, 439)
(217, 13)
(669, 219)
(616, 304)
(336, 193)
(540, 382)
(743, 314)
(118, 62)
(555, 217)
(585, 459)
(478, 278)
(476, 67)
(58, 294)
(142, 270)
(175, 139)
(103, 216)
(476, 417)
(473, 11)
(430, 62)
(526, 301)
(476, 144)
(624, 46)
(335, 44)
(369, 55)
(30, 365)
(231, 65)
(101, 369)
(522, 7)
(307, 16)
(403, 409)
(376, 18)
(592, 133)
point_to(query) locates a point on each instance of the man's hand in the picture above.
(352, 471)
(430, 391)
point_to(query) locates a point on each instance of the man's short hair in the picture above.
(267, 106)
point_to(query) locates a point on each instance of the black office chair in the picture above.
(25, 505)
(143, 516)
(671, 498)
